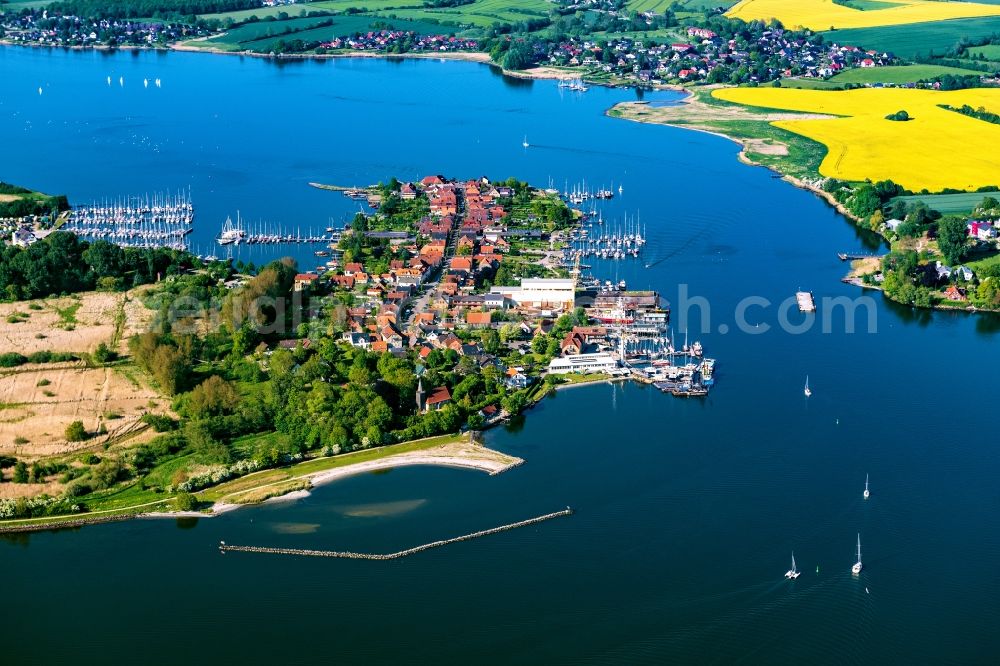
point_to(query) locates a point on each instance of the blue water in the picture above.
(687, 510)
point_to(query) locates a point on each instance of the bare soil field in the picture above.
(38, 402)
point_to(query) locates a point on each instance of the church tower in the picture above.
(420, 395)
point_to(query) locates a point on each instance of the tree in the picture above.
(952, 238)
(20, 472)
(75, 432)
(213, 397)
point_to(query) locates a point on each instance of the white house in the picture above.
(893, 224)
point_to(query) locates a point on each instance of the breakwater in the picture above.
(392, 556)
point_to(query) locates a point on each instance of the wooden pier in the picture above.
(223, 547)
(846, 256)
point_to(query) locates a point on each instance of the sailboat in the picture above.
(866, 493)
(856, 569)
(807, 390)
(525, 142)
(793, 573)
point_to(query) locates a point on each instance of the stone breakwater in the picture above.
(392, 556)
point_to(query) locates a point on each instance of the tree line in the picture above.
(64, 264)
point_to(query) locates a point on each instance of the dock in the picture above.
(846, 256)
(805, 301)
(348, 555)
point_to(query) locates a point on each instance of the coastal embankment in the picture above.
(348, 555)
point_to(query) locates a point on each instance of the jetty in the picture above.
(846, 256)
(805, 301)
(348, 555)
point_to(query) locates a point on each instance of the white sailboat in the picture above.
(866, 493)
(793, 573)
(807, 390)
(856, 569)
(525, 142)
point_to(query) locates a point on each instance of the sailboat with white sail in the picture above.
(856, 569)
(866, 494)
(794, 572)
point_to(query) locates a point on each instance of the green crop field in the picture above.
(344, 26)
(906, 41)
(951, 203)
(299, 9)
(901, 74)
(255, 31)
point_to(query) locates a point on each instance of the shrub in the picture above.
(20, 473)
(12, 359)
(160, 422)
(20, 440)
(43, 382)
(104, 355)
(92, 459)
(75, 432)
(185, 502)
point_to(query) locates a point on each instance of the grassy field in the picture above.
(950, 203)
(298, 9)
(481, 14)
(901, 74)
(936, 149)
(825, 15)
(320, 465)
(660, 6)
(990, 51)
(30, 4)
(920, 38)
(979, 265)
(765, 144)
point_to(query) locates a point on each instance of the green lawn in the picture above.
(900, 74)
(951, 203)
(906, 41)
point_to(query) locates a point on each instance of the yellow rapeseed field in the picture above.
(824, 14)
(937, 149)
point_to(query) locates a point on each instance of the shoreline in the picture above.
(746, 145)
(454, 454)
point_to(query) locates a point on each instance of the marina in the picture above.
(145, 221)
(238, 233)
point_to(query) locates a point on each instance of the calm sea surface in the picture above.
(686, 510)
